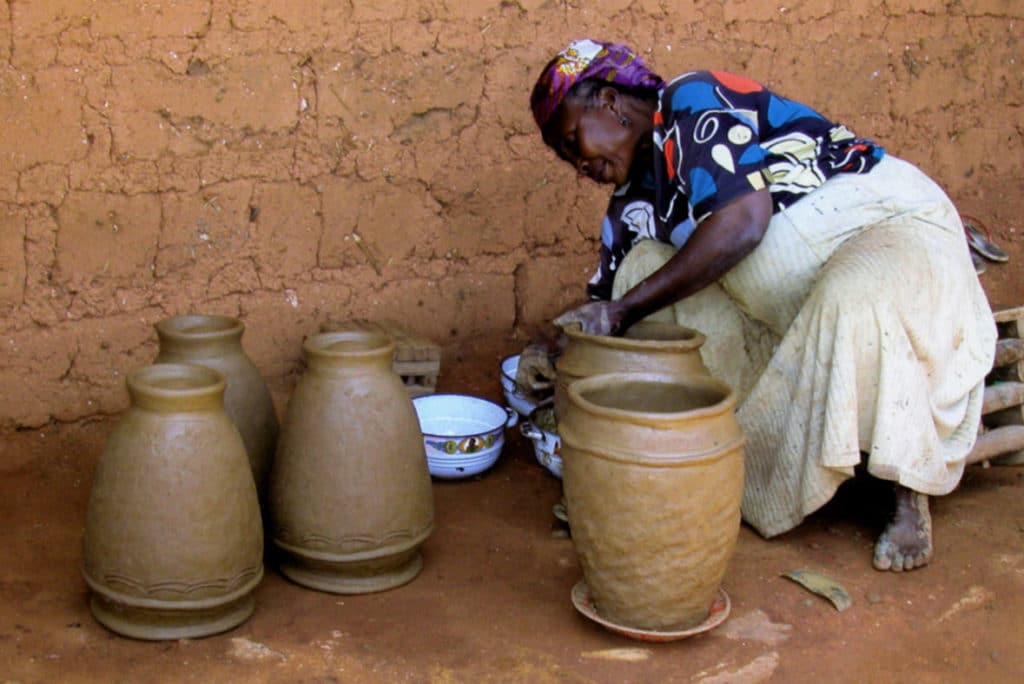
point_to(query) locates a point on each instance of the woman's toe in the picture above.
(898, 562)
(883, 554)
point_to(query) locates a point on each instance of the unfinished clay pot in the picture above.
(652, 467)
(350, 495)
(647, 347)
(216, 342)
(173, 544)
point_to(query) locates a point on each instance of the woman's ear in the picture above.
(608, 98)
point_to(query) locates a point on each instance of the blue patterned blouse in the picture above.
(717, 137)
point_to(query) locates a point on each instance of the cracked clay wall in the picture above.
(291, 162)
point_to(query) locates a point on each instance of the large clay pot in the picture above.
(652, 466)
(173, 544)
(350, 494)
(216, 342)
(646, 347)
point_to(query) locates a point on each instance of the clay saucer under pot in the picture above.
(584, 603)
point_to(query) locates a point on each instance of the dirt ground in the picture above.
(493, 601)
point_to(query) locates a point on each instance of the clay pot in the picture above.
(216, 342)
(647, 347)
(173, 544)
(350, 495)
(652, 467)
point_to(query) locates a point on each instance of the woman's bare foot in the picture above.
(907, 542)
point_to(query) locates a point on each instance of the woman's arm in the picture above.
(718, 244)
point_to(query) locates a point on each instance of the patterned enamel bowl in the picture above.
(462, 435)
(542, 428)
(514, 396)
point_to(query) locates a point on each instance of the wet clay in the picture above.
(350, 493)
(173, 542)
(216, 342)
(653, 477)
(648, 346)
(544, 418)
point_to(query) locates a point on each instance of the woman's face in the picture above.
(594, 140)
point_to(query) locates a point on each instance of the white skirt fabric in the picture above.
(857, 325)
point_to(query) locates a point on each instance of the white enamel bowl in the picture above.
(541, 429)
(462, 435)
(514, 397)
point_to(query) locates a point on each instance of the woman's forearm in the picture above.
(719, 243)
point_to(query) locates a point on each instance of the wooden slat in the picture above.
(998, 442)
(1011, 372)
(1010, 350)
(1001, 441)
(1002, 396)
(1015, 313)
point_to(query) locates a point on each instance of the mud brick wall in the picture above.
(294, 162)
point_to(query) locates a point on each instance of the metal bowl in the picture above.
(515, 397)
(541, 429)
(462, 434)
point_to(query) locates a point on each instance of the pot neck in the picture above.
(200, 335)
(174, 387)
(349, 352)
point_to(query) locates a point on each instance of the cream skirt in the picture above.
(857, 325)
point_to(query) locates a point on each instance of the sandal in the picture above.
(980, 240)
(979, 264)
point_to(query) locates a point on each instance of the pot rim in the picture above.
(694, 339)
(502, 366)
(517, 389)
(375, 344)
(176, 380)
(505, 422)
(577, 387)
(180, 327)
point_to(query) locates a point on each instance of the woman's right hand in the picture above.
(536, 373)
(596, 318)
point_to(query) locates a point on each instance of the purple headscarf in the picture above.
(583, 59)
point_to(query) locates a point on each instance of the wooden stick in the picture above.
(1010, 350)
(1005, 315)
(996, 443)
(1002, 396)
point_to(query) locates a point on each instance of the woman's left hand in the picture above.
(596, 318)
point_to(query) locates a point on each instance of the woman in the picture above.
(832, 280)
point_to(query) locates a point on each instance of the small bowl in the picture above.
(462, 435)
(515, 398)
(541, 428)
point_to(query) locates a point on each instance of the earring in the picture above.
(624, 121)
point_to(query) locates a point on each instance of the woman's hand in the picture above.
(535, 373)
(596, 318)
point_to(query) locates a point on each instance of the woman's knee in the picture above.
(646, 257)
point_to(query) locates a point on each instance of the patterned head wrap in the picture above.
(584, 59)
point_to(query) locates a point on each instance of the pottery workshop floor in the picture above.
(492, 603)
